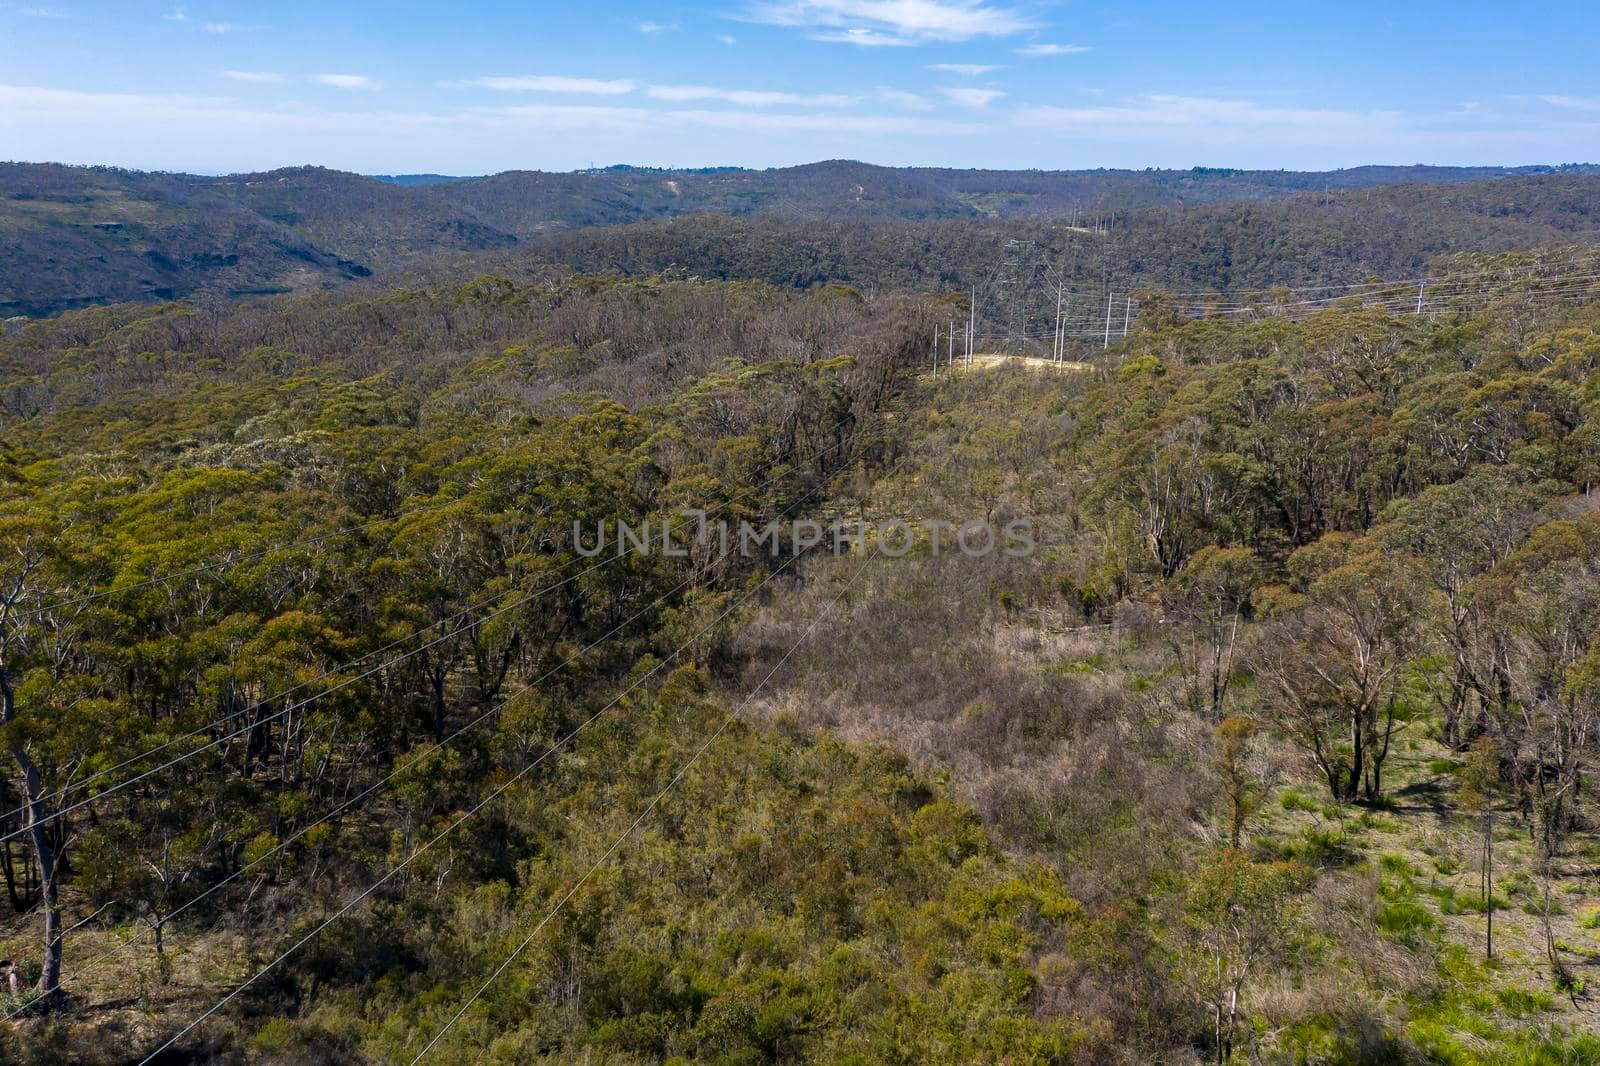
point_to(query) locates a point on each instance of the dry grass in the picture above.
(995, 360)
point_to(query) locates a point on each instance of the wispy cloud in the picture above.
(821, 122)
(346, 81)
(973, 98)
(1172, 130)
(1169, 118)
(966, 70)
(1573, 103)
(1034, 51)
(204, 116)
(176, 15)
(259, 76)
(547, 83)
(891, 22)
(220, 28)
(41, 13)
(652, 26)
(727, 39)
(575, 117)
(901, 98)
(864, 38)
(681, 94)
(638, 120)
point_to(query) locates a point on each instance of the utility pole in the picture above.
(972, 325)
(1127, 315)
(950, 343)
(1055, 351)
(1108, 321)
(1422, 288)
(936, 349)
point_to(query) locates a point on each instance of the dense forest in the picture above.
(75, 237)
(328, 739)
(1299, 243)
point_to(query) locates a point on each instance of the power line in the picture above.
(1406, 290)
(1401, 299)
(380, 882)
(161, 579)
(398, 770)
(648, 810)
(290, 709)
(231, 715)
(1584, 255)
(350, 680)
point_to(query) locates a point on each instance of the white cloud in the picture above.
(548, 83)
(1573, 103)
(259, 76)
(176, 15)
(865, 38)
(220, 28)
(974, 98)
(966, 70)
(637, 120)
(40, 13)
(652, 26)
(823, 122)
(1167, 118)
(346, 81)
(891, 22)
(577, 117)
(208, 134)
(682, 94)
(1034, 51)
(727, 39)
(135, 115)
(901, 98)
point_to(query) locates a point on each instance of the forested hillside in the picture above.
(81, 236)
(1304, 241)
(327, 741)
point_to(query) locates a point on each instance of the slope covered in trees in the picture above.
(1279, 748)
(79, 236)
(1308, 241)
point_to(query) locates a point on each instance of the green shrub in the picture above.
(1292, 799)
(1518, 1002)
(1406, 921)
(1389, 862)
(1320, 847)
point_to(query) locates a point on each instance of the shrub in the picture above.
(1292, 799)
(1406, 921)
(1518, 1002)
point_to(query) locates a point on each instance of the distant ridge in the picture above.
(77, 236)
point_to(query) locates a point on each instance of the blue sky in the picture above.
(397, 86)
